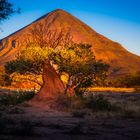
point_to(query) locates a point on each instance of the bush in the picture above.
(98, 103)
(66, 103)
(16, 97)
(131, 80)
(5, 79)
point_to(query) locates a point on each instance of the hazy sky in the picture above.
(118, 20)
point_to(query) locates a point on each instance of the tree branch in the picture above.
(35, 78)
(35, 81)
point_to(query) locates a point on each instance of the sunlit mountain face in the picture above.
(120, 60)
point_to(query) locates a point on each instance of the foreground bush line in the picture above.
(78, 105)
(16, 97)
(81, 106)
(63, 102)
(92, 102)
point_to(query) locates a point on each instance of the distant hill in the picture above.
(121, 61)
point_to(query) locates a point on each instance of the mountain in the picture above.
(120, 60)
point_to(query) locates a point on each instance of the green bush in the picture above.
(95, 103)
(16, 97)
(98, 103)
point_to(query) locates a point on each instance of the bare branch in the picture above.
(35, 81)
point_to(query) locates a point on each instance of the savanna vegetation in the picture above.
(128, 81)
(53, 54)
(132, 80)
(62, 71)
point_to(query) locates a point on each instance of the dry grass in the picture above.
(11, 89)
(127, 105)
(111, 89)
(83, 118)
(102, 89)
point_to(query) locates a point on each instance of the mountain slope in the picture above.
(121, 61)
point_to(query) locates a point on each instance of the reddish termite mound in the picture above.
(52, 85)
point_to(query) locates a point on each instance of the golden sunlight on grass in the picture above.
(111, 89)
(12, 89)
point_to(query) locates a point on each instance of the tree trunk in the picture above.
(69, 88)
(70, 91)
(52, 84)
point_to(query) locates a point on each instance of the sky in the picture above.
(119, 20)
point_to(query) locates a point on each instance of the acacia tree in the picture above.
(34, 58)
(76, 61)
(45, 48)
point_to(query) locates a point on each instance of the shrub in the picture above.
(16, 97)
(98, 103)
(69, 103)
(5, 79)
(131, 80)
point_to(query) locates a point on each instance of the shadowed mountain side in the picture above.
(121, 61)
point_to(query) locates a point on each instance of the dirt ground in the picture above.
(36, 121)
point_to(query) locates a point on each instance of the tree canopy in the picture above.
(76, 61)
(46, 48)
